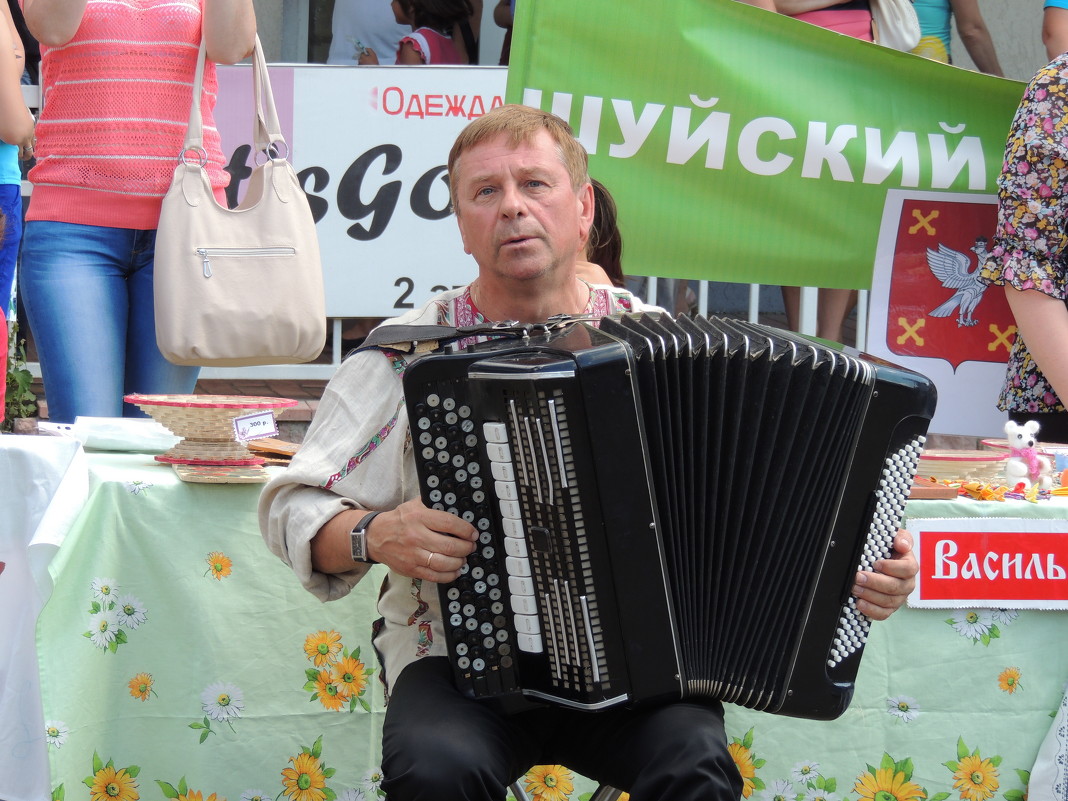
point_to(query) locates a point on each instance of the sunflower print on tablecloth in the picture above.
(306, 779)
(339, 678)
(549, 783)
(108, 783)
(975, 777)
(741, 751)
(891, 781)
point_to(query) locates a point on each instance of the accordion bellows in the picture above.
(668, 508)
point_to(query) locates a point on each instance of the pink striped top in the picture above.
(115, 110)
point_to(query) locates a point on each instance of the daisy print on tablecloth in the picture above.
(812, 785)
(108, 783)
(903, 707)
(1004, 616)
(56, 733)
(352, 794)
(137, 486)
(372, 782)
(222, 702)
(977, 625)
(111, 615)
(130, 611)
(804, 771)
(975, 777)
(891, 781)
(305, 779)
(256, 795)
(780, 790)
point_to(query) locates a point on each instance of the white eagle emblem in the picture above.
(951, 268)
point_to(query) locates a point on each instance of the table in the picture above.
(176, 643)
(205, 682)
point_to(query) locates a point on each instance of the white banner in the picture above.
(370, 145)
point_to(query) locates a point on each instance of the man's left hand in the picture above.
(881, 591)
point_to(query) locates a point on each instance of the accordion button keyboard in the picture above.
(478, 624)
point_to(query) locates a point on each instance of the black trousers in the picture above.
(439, 744)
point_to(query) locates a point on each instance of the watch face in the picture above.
(358, 546)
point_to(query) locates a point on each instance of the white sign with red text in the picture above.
(370, 145)
(996, 563)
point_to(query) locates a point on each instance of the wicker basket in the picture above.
(206, 425)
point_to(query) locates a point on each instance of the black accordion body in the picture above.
(667, 508)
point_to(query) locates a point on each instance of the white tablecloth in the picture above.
(43, 486)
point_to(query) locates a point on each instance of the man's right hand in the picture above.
(421, 543)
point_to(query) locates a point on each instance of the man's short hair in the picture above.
(522, 124)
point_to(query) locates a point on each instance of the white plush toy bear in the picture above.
(1025, 464)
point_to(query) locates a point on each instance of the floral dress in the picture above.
(1030, 242)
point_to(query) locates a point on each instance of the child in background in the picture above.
(432, 23)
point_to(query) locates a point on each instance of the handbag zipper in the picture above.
(206, 253)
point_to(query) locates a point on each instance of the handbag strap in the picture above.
(266, 131)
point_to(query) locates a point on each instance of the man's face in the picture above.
(518, 214)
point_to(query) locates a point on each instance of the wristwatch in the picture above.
(358, 537)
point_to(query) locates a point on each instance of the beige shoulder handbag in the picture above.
(239, 286)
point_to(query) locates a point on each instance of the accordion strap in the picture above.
(420, 339)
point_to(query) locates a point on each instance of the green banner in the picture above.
(746, 146)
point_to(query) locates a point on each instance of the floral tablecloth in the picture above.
(180, 659)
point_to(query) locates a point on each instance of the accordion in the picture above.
(667, 508)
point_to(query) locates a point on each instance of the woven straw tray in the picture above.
(206, 425)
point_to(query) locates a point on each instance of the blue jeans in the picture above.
(88, 294)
